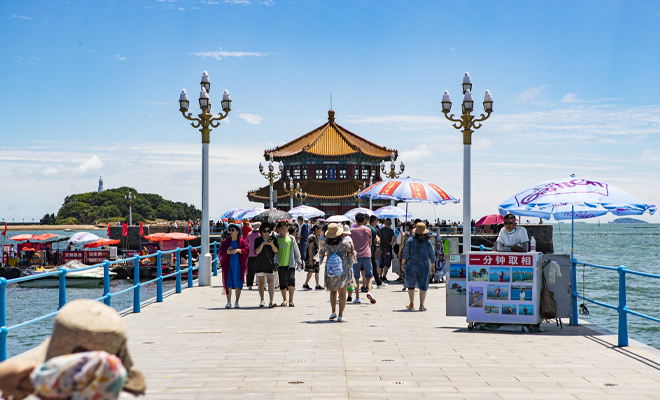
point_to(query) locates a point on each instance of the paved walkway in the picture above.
(191, 347)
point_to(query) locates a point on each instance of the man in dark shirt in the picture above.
(387, 239)
(373, 221)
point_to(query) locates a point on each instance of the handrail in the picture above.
(107, 295)
(621, 308)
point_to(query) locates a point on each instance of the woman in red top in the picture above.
(234, 255)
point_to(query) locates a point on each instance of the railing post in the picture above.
(574, 293)
(178, 270)
(62, 285)
(215, 258)
(136, 283)
(622, 309)
(159, 275)
(190, 265)
(106, 282)
(481, 247)
(3, 320)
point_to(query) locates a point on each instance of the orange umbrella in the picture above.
(102, 242)
(157, 237)
(22, 237)
(44, 236)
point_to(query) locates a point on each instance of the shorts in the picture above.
(363, 263)
(265, 274)
(386, 259)
(287, 277)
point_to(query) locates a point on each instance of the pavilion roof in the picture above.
(315, 189)
(331, 139)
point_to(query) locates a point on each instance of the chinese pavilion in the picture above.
(331, 164)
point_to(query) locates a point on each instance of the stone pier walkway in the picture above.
(191, 347)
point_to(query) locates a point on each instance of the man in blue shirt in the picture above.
(303, 234)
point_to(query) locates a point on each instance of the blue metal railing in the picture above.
(622, 308)
(107, 296)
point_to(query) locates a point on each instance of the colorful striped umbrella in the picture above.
(232, 213)
(251, 213)
(408, 189)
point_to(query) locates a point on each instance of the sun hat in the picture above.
(255, 226)
(347, 230)
(87, 325)
(334, 231)
(420, 229)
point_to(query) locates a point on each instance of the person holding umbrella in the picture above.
(234, 253)
(417, 253)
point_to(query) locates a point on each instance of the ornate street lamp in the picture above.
(361, 187)
(205, 121)
(130, 197)
(293, 191)
(468, 123)
(392, 174)
(271, 175)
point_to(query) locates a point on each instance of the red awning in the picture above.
(102, 242)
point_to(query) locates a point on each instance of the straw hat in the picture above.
(87, 325)
(334, 231)
(420, 229)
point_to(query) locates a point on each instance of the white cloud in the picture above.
(650, 155)
(223, 53)
(416, 152)
(120, 58)
(531, 94)
(182, 9)
(569, 98)
(253, 119)
(245, 2)
(92, 165)
(19, 17)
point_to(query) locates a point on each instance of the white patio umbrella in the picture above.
(232, 213)
(392, 212)
(338, 219)
(83, 237)
(306, 212)
(359, 210)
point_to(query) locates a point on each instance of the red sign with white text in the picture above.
(97, 256)
(68, 255)
(514, 260)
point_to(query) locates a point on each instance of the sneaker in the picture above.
(228, 305)
(319, 288)
(378, 286)
(363, 289)
(306, 286)
(283, 303)
(291, 305)
(384, 280)
(340, 319)
(333, 315)
(236, 305)
(371, 298)
(262, 304)
(349, 299)
(357, 301)
(271, 305)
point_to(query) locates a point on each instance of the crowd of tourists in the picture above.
(347, 261)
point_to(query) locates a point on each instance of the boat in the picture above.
(91, 278)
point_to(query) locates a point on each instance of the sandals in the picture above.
(410, 307)
(422, 309)
(291, 305)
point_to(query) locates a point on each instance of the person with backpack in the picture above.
(338, 256)
(417, 253)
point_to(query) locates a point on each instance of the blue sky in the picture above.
(90, 88)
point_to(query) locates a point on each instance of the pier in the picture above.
(191, 347)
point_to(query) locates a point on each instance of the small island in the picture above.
(628, 221)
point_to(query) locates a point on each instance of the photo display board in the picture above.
(502, 288)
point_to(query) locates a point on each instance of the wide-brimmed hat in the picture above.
(334, 231)
(347, 230)
(256, 226)
(88, 325)
(420, 229)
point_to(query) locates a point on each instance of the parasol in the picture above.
(272, 216)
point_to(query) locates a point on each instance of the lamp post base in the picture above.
(205, 270)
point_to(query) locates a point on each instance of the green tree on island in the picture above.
(111, 205)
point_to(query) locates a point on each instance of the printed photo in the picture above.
(498, 292)
(509, 309)
(500, 274)
(457, 288)
(524, 309)
(476, 296)
(521, 292)
(457, 271)
(522, 275)
(492, 309)
(477, 274)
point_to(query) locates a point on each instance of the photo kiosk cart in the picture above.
(492, 287)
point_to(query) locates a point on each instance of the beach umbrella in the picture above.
(493, 219)
(338, 219)
(83, 237)
(232, 213)
(44, 236)
(102, 242)
(159, 237)
(57, 238)
(249, 214)
(393, 212)
(22, 237)
(358, 210)
(408, 189)
(272, 216)
(306, 212)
